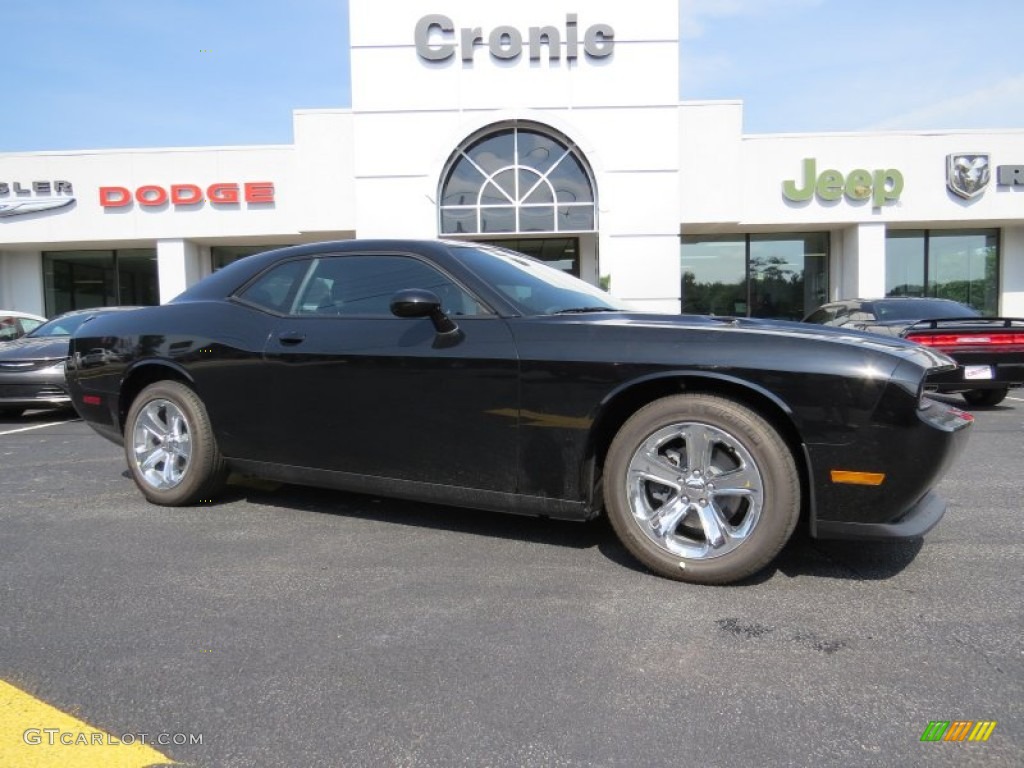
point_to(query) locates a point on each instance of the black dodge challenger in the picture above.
(463, 374)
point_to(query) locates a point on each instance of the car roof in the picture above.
(18, 313)
(228, 278)
(94, 310)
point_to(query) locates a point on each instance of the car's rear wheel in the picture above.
(170, 447)
(986, 397)
(700, 488)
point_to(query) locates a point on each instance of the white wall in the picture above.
(411, 114)
(179, 266)
(767, 161)
(21, 281)
(1012, 279)
(86, 221)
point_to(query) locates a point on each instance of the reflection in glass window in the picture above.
(559, 252)
(365, 285)
(962, 265)
(86, 279)
(788, 274)
(781, 276)
(275, 289)
(714, 275)
(517, 180)
(904, 263)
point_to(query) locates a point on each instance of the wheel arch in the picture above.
(627, 399)
(141, 376)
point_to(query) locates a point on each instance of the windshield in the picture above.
(922, 309)
(59, 326)
(533, 287)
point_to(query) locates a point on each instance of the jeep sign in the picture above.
(882, 186)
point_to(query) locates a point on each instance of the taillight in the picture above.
(1004, 342)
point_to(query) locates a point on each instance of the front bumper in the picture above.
(917, 521)
(38, 390)
(910, 450)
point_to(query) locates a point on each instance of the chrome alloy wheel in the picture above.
(162, 444)
(694, 490)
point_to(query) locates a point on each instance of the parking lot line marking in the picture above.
(35, 735)
(1018, 399)
(37, 426)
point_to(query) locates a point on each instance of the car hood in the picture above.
(26, 348)
(928, 358)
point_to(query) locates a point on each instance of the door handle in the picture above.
(291, 338)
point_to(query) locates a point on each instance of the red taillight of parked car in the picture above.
(952, 342)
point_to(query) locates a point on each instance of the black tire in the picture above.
(986, 397)
(11, 413)
(734, 523)
(167, 421)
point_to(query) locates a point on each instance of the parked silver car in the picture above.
(32, 367)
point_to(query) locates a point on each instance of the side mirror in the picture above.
(418, 302)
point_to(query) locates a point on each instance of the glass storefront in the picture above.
(84, 279)
(962, 265)
(782, 275)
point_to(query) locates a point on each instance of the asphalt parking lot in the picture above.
(297, 627)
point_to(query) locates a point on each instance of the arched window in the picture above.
(517, 179)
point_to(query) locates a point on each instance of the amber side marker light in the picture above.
(857, 478)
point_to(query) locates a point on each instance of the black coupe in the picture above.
(463, 374)
(989, 351)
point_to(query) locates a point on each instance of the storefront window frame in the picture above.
(748, 300)
(989, 303)
(518, 212)
(113, 278)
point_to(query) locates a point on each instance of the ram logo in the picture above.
(967, 174)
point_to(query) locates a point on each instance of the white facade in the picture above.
(660, 168)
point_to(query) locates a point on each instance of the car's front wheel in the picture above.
(986, 397)
(170, 447)
(701, 488)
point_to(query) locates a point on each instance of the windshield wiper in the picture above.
(580, 310)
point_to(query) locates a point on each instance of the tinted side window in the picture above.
(275, 289)
(820, 316)
(364, 285)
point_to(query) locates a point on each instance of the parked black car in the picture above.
(989, 351)
(468, 375)
(32, 366)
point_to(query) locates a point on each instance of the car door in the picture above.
(347, 386)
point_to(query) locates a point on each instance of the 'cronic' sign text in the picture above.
(437, 39)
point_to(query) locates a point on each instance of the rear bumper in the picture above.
(917, 521)
(1005, 371)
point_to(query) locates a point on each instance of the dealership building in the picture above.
(554, 128)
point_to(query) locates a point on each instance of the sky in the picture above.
(98, 74)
